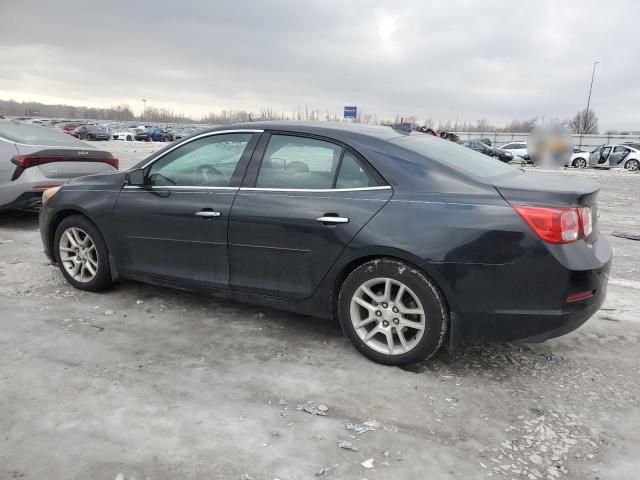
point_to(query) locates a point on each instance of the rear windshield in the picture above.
(454, 155)
(34, 135)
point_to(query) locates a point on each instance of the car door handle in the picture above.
(207, 213)
(333, 219)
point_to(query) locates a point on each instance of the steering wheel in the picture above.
(206, 175)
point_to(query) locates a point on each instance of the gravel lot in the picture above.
(151, 383)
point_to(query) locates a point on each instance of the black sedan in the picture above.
(89, 132)
(409, 240)
(480, 146)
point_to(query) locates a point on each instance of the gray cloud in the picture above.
(495, 59)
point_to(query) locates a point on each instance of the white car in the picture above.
(517, 149)
(578, 159)
(126, 135)
(625, 155)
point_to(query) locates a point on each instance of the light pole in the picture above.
(144, 109)
(586, 115)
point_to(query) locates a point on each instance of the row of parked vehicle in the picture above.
(128, 133)
(620, 155)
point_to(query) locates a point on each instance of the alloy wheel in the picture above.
(632, 165)
(78, 254)
(387, 316)
(580, 163)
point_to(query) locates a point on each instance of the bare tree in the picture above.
(583, 123)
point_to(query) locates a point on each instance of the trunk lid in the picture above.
(65, 163)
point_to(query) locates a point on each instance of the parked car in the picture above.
(616, 156)
(481, 147)
(125, 135)
(405, 238)
(91, 132)
(517, 149)
(70, 128)
(579, 158)
(153, 134)
(34, 158)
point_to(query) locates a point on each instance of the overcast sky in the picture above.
(493, 59)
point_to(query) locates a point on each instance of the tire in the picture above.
(97, 258)
(579, 162)
(632, 165)
(420, 294)
(129, 138)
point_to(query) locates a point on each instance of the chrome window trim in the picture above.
(178, 187)
(323, 190)
(197, 137)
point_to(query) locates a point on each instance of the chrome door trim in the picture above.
(207, 213)
(333, 219)
(326, 190)
(197, 137)
(177, 187)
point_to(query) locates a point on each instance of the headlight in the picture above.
(48, 193)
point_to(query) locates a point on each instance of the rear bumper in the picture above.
(526, 304)
(26, 201)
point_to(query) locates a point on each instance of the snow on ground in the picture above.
(154, 383)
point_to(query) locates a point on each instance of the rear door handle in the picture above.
(333, 219)
(207, 213)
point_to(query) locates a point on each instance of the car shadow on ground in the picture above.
(19, 220)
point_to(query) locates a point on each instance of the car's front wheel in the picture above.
(579, 162)
(392, 312)
(82, 254)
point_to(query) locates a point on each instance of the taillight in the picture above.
(23, 162)
(557, 224)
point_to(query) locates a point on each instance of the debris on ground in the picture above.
(109, 312)
(359, 427)
(314, 408)
(139, 302)
(323, 471)
(628, 236)
(367, 463)
(347, 445)
(551, 358)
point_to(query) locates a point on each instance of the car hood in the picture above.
(111, 181)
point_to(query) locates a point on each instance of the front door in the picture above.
(299, 207)
(599, 157)
(175, 227)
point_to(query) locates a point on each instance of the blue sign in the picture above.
(350, 112)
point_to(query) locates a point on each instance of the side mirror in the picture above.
(136, 178)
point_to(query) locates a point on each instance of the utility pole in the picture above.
(144, 109)
(586, 115)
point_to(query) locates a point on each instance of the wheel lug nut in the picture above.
(395, 309)
(385, 324)
(378, 313)
(384, 305)
(396, 321)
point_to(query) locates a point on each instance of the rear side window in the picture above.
(298, 163)
(352, 175)
(454, 155)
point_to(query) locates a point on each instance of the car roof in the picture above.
(336, 130)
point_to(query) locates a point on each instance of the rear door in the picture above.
(303, 200)
(620, 152)
(175, 227)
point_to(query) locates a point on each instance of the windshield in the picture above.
(35, 135)
(454, 155)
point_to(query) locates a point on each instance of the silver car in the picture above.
(625, 155)
(34, 158)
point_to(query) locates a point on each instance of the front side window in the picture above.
(206, 162)
(291, 162)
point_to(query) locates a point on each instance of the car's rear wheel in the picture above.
(392, 312)
(579, 162)
(129, 138)
(82, 254)
(632, 165)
